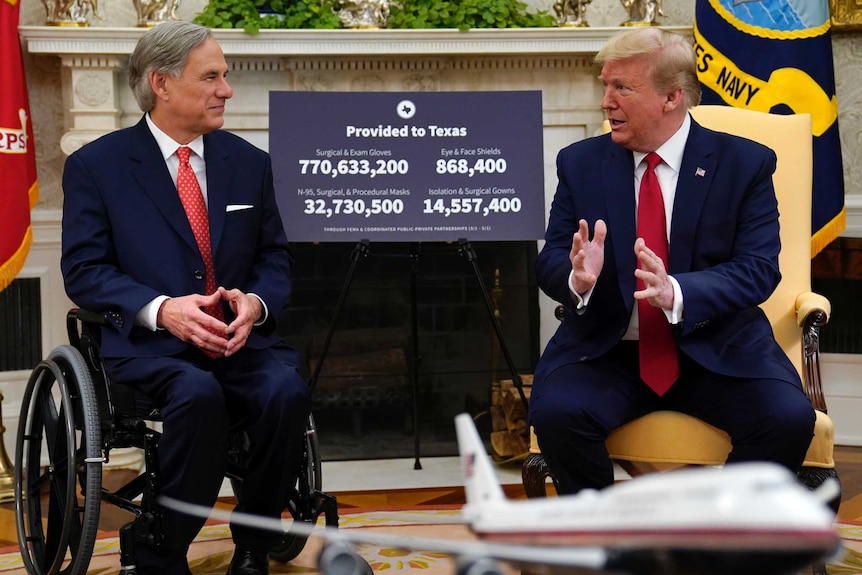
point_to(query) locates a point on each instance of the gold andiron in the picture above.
(7, 473)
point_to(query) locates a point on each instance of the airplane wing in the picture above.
(541, 560)
(590, 559)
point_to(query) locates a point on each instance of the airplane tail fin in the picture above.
(480, 481)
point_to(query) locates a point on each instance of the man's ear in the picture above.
(158, 83)
(674, 100)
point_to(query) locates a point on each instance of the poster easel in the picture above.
(465, 248)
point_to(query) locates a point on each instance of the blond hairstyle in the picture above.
(672, 61)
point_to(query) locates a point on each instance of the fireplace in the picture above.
(380, 357)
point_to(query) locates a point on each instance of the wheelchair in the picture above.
(72, 416)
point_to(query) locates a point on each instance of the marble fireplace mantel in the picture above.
(69, 41)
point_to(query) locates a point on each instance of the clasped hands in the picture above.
(588, 257)
(184, 317)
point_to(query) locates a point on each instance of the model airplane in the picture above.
(746, 518)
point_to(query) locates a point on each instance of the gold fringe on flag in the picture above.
(10, 268)
(825, 235)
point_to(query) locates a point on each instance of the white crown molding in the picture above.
(494, 41)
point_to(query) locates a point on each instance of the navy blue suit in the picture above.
(723, 251)
(126, 240)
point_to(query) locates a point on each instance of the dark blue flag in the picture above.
(776, 56)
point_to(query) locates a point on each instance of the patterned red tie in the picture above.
(196, 210)
(659, 365)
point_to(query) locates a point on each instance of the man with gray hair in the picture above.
(171, 230)
(662, 242)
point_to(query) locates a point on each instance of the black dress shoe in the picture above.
(246, 562)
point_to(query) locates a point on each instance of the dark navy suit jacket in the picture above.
(723, 251)
(126, 238)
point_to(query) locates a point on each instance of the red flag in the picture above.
(19, 188)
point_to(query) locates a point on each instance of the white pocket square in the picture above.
(238, 207)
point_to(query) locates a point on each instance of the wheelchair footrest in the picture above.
(144, 530)
(329, 506)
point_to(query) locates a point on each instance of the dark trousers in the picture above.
(574, 408)
(199, 398)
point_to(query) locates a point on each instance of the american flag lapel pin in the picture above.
(700, 172)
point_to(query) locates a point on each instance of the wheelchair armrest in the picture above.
(79, 320)
(87, 316)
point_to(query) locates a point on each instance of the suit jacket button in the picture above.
(585, 357)
(199, 275)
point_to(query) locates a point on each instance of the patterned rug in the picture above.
(849, 560)
(212, 550)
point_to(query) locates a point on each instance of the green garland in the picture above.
(254, 15)
(465, 14)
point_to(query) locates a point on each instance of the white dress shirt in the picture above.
(667, 172)
(147, 316)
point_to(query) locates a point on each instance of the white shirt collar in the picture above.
(672, 150)
(168, 146)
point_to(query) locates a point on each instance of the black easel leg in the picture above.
(465, 248)
(359, 250)
(414, 324)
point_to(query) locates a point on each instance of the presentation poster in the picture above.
(408, 166)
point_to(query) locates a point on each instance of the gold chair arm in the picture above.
(808, 302)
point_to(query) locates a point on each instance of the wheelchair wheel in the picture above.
(304, 506)
(57, 498)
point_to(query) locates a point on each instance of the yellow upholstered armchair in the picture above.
(665, 439)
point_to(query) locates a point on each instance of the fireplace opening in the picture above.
(376, 364)
(20, 325)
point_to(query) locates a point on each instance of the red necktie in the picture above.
(659, 366)
(190, 194)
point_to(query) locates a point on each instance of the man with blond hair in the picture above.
(662, 242)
